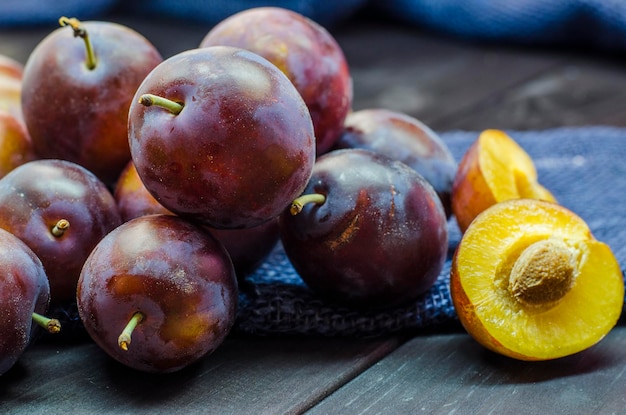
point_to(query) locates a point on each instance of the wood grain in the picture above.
(452, 374)
(245, 375)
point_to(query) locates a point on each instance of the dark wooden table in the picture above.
(449, 84)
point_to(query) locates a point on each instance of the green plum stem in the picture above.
(150, 99)
(79, 31)
(60, 227)
(124, 339)
(298, 204)
(52, 325)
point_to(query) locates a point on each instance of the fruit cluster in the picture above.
(528, 279)
(145, 190)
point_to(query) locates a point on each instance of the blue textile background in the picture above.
(325, 12)
(38, 12)
(591, 22)
(583, 167)
(599, 23)
(35, 12)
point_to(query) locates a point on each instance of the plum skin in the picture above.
(16, 145)
(132, 197)
(247, 247)
(403, 138)
(306, 52)
(379, 240)
(78, 114)
(24, 289)
(180, 277)
(35, 195)
(240, 150)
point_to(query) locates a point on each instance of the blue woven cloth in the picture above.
(325, 12)
(36, 12)
(583, 167)
(574, 22)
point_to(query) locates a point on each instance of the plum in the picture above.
(305, 51)
(132, 197)
(248, 247)
(494, 168)
(163, 283)
(60, 210)
(76, 93)
(219, 135)
(24, 297)
(530, 281)
(405, 138)
(369, 231)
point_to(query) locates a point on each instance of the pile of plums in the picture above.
(145, 189)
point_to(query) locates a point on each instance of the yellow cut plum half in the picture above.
(530, 281)
(495, 168)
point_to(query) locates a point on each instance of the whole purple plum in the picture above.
(76, 90)
(24, 296)
(404, 138)
(305, 51)
(368, 231)
(220, 136)
(61, 211)
(158, 293)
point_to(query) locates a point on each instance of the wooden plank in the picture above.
(245, 375)
(19, 43)
(450, 374)
(432, 78)
(581, 91)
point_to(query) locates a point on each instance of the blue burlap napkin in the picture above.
(584, 168)
(575, 22)
(600, 23)
(37, 12)
(325, 12)
(47, 12)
